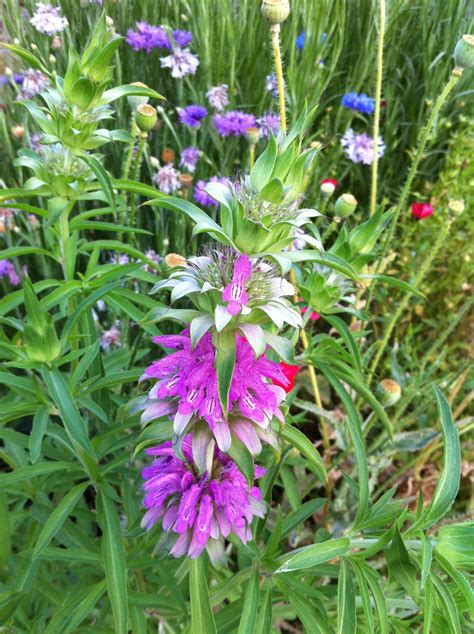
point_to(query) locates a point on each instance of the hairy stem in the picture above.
(136, 165)
(275, 31)
(378, 96)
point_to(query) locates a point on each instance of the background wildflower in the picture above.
(189, 158)
(360, 147)
(218, 97)
(233, 122)
(48, 19)
(192, 115)
(269, 122)
(360, 102)
(167, 179)
(7, 270)
(181, 62)
(421, 210)
(200, 194)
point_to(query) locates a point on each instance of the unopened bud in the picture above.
(146, 117)
(275, 11)
(109, 22)
(52, 59)
(346, 204)
(328, 187)
(388, 392)
(33, 47)
(174, 259)
(167, 155)
(252, 135)
(18, 131)
(16, 41)
(8, 71)
(464, 52)
(57, 42)
(136, 100)
(456, 206)
(154, 162)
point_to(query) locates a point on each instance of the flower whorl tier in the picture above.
(187, 388)
(200, 509)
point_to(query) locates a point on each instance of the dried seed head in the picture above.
(464, 52)
(18, 131)
(456, 206)
(167, 155)
(174, 259)
(389, 392)
(186, 181)
(275, 11)
(145, 117)
(345, 205)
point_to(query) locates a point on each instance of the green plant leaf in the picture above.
(225, 364)
(251, 600)
(294, 436)
(5, 531)
(263, 168)
(264, 617)
(103, 178)
(346, 609)
(202, 617)
(310, 556)
(38, 430)
(450, 610)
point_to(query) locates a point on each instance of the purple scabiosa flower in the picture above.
(300, 40)
(235, 292)
(48, 19)
(269, 121)
(200, 194)
(218, 97)
(233, 122)
(360, 147)
(167, 179)
(147, 37)
(202, 507)
(189, 157)
(187, 388)
(34, 82)
(111, 338)
(7, 270)
(360, 102)
(181, 62)
(192, 115)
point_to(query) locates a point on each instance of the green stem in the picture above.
(128, 160)
(332, 227)
(378, 96)
(136, 164)
(404, 302)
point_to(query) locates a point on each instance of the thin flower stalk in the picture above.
(136, 165)
(378, 96)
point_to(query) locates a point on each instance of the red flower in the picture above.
(290, 372)
(421, 210)
(332, 181)
(314, 315)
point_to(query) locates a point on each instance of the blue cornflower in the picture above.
(192, 115)
(300, 40)
(360, 102)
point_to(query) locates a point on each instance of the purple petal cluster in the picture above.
(360, 102)
(233, 123)
(187, 387)
(201, 509)
(269, 122)
(7, 270)
(181, 62)
(48, 19)
(360, 147)
(200, 194)
(146, 37)
(189, 158)
(192, 115)
(218, 96)
(167, 179)
(33, 83)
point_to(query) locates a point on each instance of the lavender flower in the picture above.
(181, 62)
(152, 255)
(167, 179)
(218, 97)
(192, 115)
(267, 122)
(35, 141)
(189, 157)
(201, 506)
(8, 270)
(119, 258)
(360, 102)
(34, 82)
(147, 37)
(271, 84)
(187, 388)
(111, 338)
(182, 38)
(360, 147)
(48, 19)
(200, 194)
(233, 123)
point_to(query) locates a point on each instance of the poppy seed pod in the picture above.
(388, 392)
(345, 205)
(145, 117)
(135, 100)
(252, 135)
(275, 11)
(464, 52)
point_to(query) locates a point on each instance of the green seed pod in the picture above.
(464, 52)
(275, 11)
(456, 206)
(252, 136)
(146, 117)
(345, 205)
(135, 100)
(388, 392)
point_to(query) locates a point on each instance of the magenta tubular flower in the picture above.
(235, 292)
(186, 389)
(234, 122)
(202, 510)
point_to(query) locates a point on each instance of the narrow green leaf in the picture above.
(242, 457)
(310, 556)
(225, 364)
(33, 471)
(400, 567)
(312, 620)
(346, 610)
(294, 436)
(251, 600)
(202, 617)
(450, 610)
(364, 596)
(300, 515)
(263, 168)
(5, 530)
(264, 618)
(38, 430)
(102, 176)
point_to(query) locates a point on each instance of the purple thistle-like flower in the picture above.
(234, 122)
(192, 115)
(182, 38)
(360, 102)
(8, 270)
(218, 97)
(360, 147)
(187, 387)
(147, 37)
(181, 62)
(48, 19)
(33, 83)
(201, 508)
(269, 121)
(200, 194)
(235, 292)
(167, 179)
(189, 157)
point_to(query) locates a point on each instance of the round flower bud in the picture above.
(328, 187)
(16, 41)
(135, 100)
(52, 59)
(345, 205)
(388, 392)
(154, 162)
(33, 47)
(167, 155)
(252, 135)
(456, 206)
(8, 71)
(275, 11)
(57, 42)
(174, 259)
(464, 52)
(145, 117)
(186, 181)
